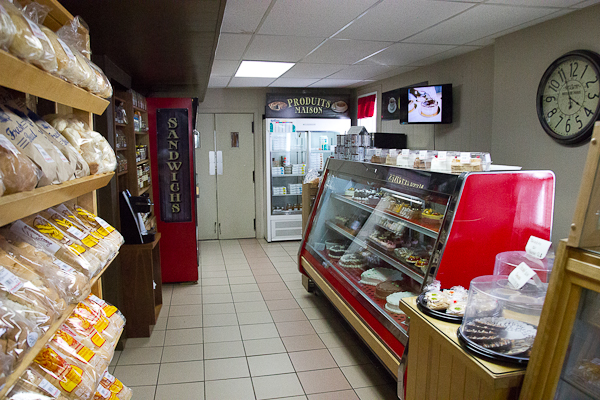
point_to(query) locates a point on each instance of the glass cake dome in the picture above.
(507, 261)
(500, 322)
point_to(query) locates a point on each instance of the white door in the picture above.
(225, 168)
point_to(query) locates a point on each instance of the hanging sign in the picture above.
(390, 105)
(172, 142)
(307, 106)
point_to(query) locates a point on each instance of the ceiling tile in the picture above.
(406, 53)
(218, 81)
(321, 18)
(293, 82)
(280, 48)
(361, 83)
(343, 51)
(445, 55)
(231, 46)
(307, 70)
(394, 20)
(587, 3)
(536, 3)
(325, 83)
(224, 68)
(250, 82)
(360, 71)
(478, 22)
(394, 72)
(242, 16)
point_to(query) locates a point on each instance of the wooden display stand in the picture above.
(438, 367)
(309, 192)
(142, 289)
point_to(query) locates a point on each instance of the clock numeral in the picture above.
(586, 67)
(550, 99)
(579, 122)
(556, 126)
(587, 84)
(552, 112)
(554, 85)
(568, 126)
(588, 113)
(574, 71)
(562, 75)
(589, 96)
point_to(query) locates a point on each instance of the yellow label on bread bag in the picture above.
(116, 387)
(109, 310)
(77, 248)
(82, 351)
(69, 376)
(89, 241)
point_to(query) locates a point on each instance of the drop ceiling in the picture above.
(350, 43)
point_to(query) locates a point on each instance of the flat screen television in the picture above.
(426, 104)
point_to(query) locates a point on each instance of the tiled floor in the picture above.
(249, 330)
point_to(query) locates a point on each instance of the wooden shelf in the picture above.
(19, 205)
(122, 173)
(24, 77)
(122, 149)
(39, 345)
(142, 162)
(120, 124)
(139, 109)
(144, 190)
(141, 132)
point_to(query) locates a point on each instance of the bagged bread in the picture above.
(106, 90)
(109, 330)
(17, 336)
(25, 44)
(19, 173)
(108, 310)
(71, 346)
(7, 29)
(32, 386)
(112, 388)
(26, 300)
(78, 327)
(75, 379)
(70, 284)
(67, 66)
(89, 82)
(100, 225)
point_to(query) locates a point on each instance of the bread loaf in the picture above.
(19, 173)
(17, 336)
(114, 387)
(7, 29)
(32, 386)
(66, 343)
(25, 44)
(67, 66)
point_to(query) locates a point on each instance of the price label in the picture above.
(378, 152)
(520, 275)
(97, 300)
(32, 338)
(4, 142)
(422, 154)
(109, 377)
(61, 155)
(44, 154)
(67, 49)
(64, 267)
(537, 247)
(393, 153)
(103, 223)
(10, 282)
(76, 232)
(465, 158)
(442, 155)
(37, 32)
(31, 236)
(487, 158)
(405, 152)
(103, 391)
(49, 388)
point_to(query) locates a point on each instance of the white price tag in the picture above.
(102, 223)
(44, 154)
(10, 282)
(537, 247)
(393, 153)
(378, 152)
(422, 154)
(64, 267)
(487, 158)
(442, 155)
(97, 300)
(76, 232)
(465, 158)
(37, 32)
(32, 338)
(49, 388)
(109, 377)
(103, 391)
(61, 155)
(405, 152)
(4, 142)
(31, 236)
(153, 285)
(520, 275)
(67, 49)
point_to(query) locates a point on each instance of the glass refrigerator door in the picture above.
(288, 167)
(580, 377)
(321, 147)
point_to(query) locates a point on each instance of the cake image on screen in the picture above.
(425, 104)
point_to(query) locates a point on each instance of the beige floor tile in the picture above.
(183, 336)
(140, 355)
(188, 321)
(188, 391)
(215, 281)
(288, 315)
(311, 301)
(179, 311)
(217, 298)
(218, 289)
(320, 312)
(365, 375)
(241, 280)
(312, 360)
(384, 392)
(235, 266)
(187, 352)
(271, 364)
(266, 287)
(138, 375)
(115, 358)
(211, 320)
(143, 392)
(188, 371)
(300, 343)
(268, 278)
(275, 305)
(226, 368)
(338, 339)
(234, 389)
(186, 299)
(273, 386)
(222, 308)
(156, 339)
(251, 306)
(258, 317)
(340, 395)
(220, 267)
(259, 331)
(214, 274)
(239, 273)
(161, 323)
(262, 271)
(264, 346)
(223, 350)
(277, 295)
(295, 328)
(293, 398)
(222, 334)
(346, 356)
(245, 288)
(188, 289)
(328, 325)
(323, 380)
(246, 297)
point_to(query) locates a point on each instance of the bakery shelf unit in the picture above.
(413, 226)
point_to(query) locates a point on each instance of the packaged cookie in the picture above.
(32, 386)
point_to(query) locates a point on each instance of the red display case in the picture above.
(419, 226)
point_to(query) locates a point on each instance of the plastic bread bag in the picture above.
(79, 236)
(67, 344)
(29, 275)
(7, 29)
(75, 33)
(32, 386)
(47, 60)
(109, 331)
(106, 90)
(2, 187)
(67, 66)
(75, 379)
(90, 82)
(52, 241)
(108, 310)
(25, 44)
(70, 284)
(109, 159)
(114, 387)
(81, 329)
(98, 223)
(19, 173)
(17, 336)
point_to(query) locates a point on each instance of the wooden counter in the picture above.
(438, 367)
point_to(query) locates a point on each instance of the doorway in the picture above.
(225, 175)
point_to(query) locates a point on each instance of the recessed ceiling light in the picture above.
(262, 69)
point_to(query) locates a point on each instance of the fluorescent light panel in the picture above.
(262, 69)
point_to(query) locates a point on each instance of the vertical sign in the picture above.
(172, 142)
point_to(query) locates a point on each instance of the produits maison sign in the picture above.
(307, 106)
(172, 142)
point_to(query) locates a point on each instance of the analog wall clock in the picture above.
(568, 97)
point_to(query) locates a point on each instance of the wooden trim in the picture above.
(377, 346)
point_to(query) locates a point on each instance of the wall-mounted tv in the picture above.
(426, 104)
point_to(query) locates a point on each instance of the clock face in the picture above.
(568, 100)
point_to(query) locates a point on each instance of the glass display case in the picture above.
(378, 233)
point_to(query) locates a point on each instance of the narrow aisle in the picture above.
(249, 330)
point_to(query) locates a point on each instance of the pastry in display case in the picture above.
(380, 233)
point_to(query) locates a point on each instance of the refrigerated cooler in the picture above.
(373, 223)
(293, 148)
